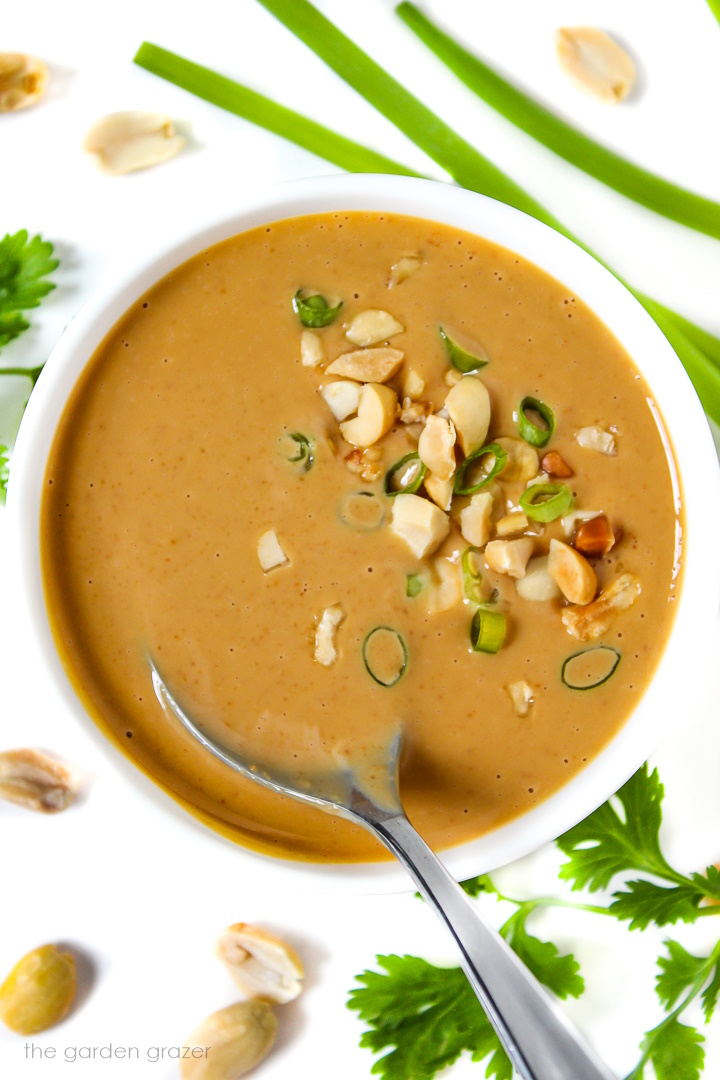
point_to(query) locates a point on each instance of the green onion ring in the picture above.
(304, 451)
(500, 456)
(530, 432)
(460, 358)
(314, 310)
(472, 580)
(410, 488)
(487, 630)
(389, 677)
(546, 502)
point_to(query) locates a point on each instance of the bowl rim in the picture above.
(689, 644)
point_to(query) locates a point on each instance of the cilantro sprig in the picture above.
(427, 1016)
(25, 267)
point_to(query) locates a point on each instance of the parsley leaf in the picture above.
(559, 973)
(644, 903)
(4, 472)
(12, 325)
(24, 267)
(606, 844)
(428, 1015)
(673, 1049)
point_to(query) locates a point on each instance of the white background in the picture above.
(140, 899)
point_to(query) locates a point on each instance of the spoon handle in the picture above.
(539, 1040)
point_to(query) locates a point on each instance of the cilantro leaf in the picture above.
(644, 902)
(559, 973)
(24, 267)
(481, 884)
(4, 472)
(428, 1015)
(674, 1050)
(679, 972)
(12, 325)
(606, 844)
(710, 994)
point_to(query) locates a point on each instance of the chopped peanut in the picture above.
(511, 523)
(522, 460)
(594, 620)
(572, 573)
(537, 585)
(596, 438)
(312, 353)
(468, 406)
(376, 415)
(413, 385)
(325, 651)
(373, 326)
(422, 525)
(554, 465)
(367, 365)
(436, 447)
(452, 376)
(570, 521)
(342, 397)
(448, 590)
(404, 268)
(269, 551)
(363, 464)
(476, 519)
(414, 411)
(509, 556)
(595, 537)
(440, 491)
(521, 694)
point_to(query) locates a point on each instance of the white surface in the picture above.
(109, 876)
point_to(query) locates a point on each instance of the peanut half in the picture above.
(34, 780)
(261, 964)
(125, 141)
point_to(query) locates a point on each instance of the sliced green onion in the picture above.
(698, 350)
(300, 451)
(487, 630)
(589, 668)
(546, 502)
(363, 511)
(314, 310)
(415, 473)
(500, 455)
(414, 585)
(530, 432)
(617, 172)
(471, 575)
(385, 655)
(460, 358)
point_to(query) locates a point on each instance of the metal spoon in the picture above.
(538, 1038)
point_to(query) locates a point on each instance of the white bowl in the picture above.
(688, 650)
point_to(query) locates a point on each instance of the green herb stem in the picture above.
(267, 114)
(28, 373)
(462, 161)
(567, 142)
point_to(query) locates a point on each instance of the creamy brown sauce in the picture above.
(168, 465)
